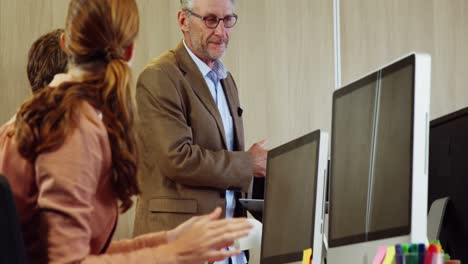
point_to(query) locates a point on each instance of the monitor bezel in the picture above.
(319, 137)
(391, 232)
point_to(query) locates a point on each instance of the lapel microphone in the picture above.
(239, 111)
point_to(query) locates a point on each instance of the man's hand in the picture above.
(259, 157)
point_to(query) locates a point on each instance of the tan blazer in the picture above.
(185, 165)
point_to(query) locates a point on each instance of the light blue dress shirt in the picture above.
(212, 78)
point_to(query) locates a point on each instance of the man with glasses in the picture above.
(191, 126)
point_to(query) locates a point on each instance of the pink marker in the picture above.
(379, 257)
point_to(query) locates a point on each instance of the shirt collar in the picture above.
(218, 66)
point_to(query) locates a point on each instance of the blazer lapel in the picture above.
(198, 84)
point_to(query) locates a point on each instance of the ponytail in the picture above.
(118, 117)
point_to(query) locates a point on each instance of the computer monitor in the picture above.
(294, 197)
(448, 169)
(258, 188)
(378, 172)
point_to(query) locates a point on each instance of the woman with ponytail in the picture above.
(71, 155)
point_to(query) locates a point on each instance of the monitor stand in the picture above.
(436, 217)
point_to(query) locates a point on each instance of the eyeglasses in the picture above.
(212, 21)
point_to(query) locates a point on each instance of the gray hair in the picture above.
(188, 4)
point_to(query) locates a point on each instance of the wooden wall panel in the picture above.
(450, 57)
(282, 58)
(375, 32)
(158, 31)
(21, 23)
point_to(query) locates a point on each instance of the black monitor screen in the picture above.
(290, 193)
(371, 156)
(448, 177)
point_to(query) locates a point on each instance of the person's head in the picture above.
(100, 33)
(99, 40)
(45, 59)
(207, 26)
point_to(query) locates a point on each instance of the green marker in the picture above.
(412, 258)
(413, 255)
(405, 249)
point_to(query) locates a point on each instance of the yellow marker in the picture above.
(390, 256)
(307, 256)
